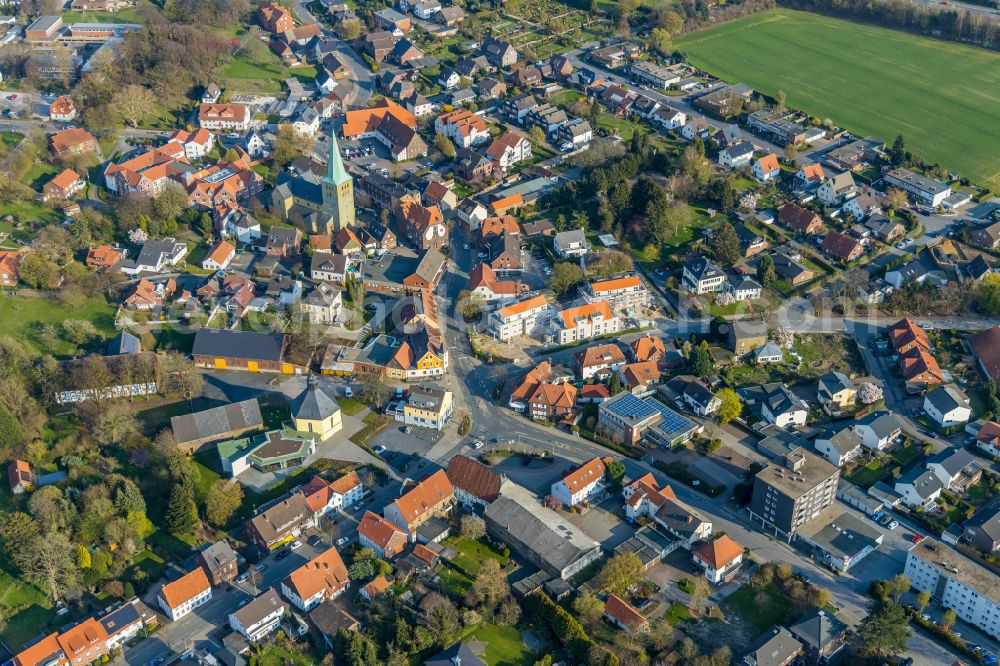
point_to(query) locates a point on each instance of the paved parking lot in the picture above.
(416, 442)
(602, 524)
(537, 476)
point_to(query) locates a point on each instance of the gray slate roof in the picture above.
(238, 344)
(314, 404)
(217, 421)
(818, 629)
(773, 648)
(552, 539)
(259, 608)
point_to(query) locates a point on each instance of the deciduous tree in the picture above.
(223, 500)
(620, 573)
(134, 102)
(730, 406)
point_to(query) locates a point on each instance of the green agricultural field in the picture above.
(943, 97)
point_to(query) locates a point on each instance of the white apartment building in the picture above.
(586, 322)
(624, 293)
(956, 582)
(518, 318)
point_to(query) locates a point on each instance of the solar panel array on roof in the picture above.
(672, 421)
(632, 407)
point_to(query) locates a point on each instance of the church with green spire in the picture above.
(320, 205)
(337, 188)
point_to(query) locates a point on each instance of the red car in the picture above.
(916, 538)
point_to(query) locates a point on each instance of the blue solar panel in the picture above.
(672, 421)
(632, 407)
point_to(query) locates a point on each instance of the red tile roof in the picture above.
(185, 588)
(325, 572)
(425, 496)
(383, 533)
(621, 611)
(648, 348)
(986, 346)
(586, 474)
(367, 120)
(719, 553)
(474, 478)
(589, 311)
(523, 306)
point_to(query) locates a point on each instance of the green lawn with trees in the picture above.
(942, 96)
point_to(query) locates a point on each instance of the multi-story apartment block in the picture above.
(956, 582)
(585, 322)
(624, 293)
(786, 496)
(519, 318)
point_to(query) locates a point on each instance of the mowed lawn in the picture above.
(943, 97)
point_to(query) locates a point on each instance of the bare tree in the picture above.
(133, 103)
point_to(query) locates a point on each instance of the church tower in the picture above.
(338, 189)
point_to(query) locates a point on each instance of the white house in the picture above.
(471, 213)
(839, 448)
(568, 244)
(426, 9)
(743, 287)
(581, 483)
(259, 617)
(182, 596)
(154, 256)
(947, 406)
(324, 496)
(219, 256)
(783, 408)
(718, 558)
(988, 438)
(510, 149)
(585, 322)
(836, 189)
(701, 275)
(951, 464)
(737, 155)
(321, 578)
(919, 487)
(241, 225)
(197, 143)
(878, 429)
(766, 168)
(669, 118)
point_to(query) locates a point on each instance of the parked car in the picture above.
(342, 540)
(282, 554)
(893, 525)
(261, 568)
(295, 545)
(478, 444)
(243, 577)
(379, 449)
